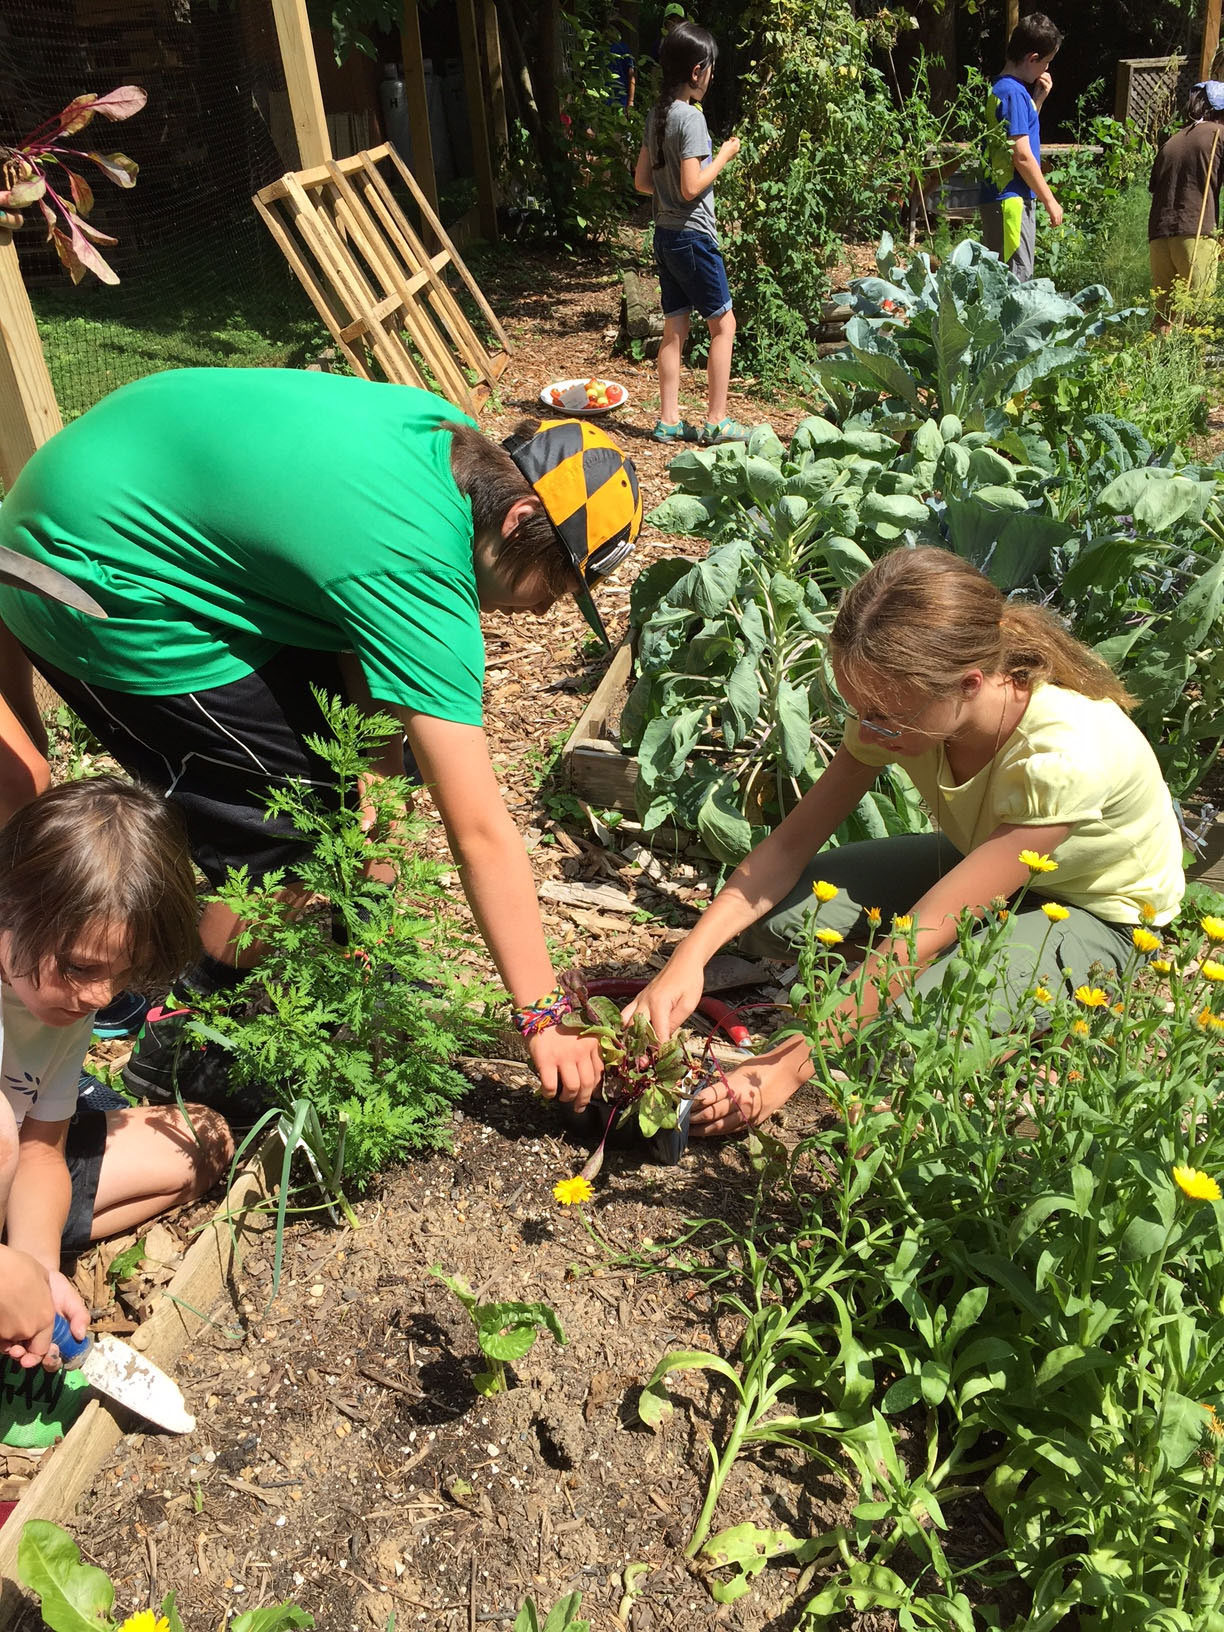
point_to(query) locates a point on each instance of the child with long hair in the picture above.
(1017, 737)
(96, 888)
(678, 166)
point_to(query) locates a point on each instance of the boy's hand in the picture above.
(26, 1311)
(1042, 86)
(1055, 212)
(67, 1301)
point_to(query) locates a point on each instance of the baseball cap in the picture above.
(589, 490)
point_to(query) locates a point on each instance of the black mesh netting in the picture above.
(200, 279)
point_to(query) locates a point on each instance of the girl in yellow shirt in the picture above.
(1018, 739)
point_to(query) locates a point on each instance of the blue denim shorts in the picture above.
(691, 273)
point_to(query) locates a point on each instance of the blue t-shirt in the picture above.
(1013, 106)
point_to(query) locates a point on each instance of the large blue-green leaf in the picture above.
(794, 726)
(741, 704)
(721, 823)
(682, 513)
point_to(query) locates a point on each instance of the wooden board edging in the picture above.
(204, 1278)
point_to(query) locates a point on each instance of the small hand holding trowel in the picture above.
(117, 1370)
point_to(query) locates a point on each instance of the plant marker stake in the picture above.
(117, 1370)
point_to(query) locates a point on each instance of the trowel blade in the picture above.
(23, 573)
(119, 1371)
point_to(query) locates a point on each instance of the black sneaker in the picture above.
(169, 1064)
(123, 1016)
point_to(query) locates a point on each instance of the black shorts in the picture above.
(219, 753)
(83, 1152)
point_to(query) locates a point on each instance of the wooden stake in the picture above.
(302, 81)
(482, 155)
(418, 107)
(495, 77)
(29, 413)
(1211, 39)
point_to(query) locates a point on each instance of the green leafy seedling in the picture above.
(127, 1262)
(747, 1549)
(562, 1617)
(505, 1331)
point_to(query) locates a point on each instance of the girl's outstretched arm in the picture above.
(757, 885)
(643, 175)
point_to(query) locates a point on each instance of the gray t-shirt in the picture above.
(686, 137)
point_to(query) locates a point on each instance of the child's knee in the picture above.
(723, 328)
(211, 1152)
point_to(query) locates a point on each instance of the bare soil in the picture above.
(343, 1459)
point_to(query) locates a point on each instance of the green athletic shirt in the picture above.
(221, 514)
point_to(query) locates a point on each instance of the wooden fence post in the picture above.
(302, 82)
(28, 410)
(418, 106)
(486, 186)
(1211, 39)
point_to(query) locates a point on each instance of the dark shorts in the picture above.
(691, 273)
(83, 1152)
(220, 752)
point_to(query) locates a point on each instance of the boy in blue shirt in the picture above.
(1009, 223)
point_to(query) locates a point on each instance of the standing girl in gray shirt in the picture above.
(678, 167)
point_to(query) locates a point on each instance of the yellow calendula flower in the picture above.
(1037, 863)
(872, 916)
(1210, 1021)
(1055, 911)
(1144, 940)
(1043, 994)
(1211, 970)
(1198, 1186)
(1147, 913)
(1081, 1028)
(1092, 997)
(823, 890)
(903, 923)
(1162, 966)
(828, 937)
(144, 1620)
(569, 1192)
(1213, 1424)
(1213, 928)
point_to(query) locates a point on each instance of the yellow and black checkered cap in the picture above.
(589, 489)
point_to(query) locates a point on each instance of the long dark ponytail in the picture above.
(685, 50)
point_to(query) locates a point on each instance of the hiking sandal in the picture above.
(726, 430)
(681, 431)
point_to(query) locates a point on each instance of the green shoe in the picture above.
(727, 430)
(681, 431)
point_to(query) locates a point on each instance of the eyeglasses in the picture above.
(887, 733)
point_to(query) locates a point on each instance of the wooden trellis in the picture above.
(382, 295)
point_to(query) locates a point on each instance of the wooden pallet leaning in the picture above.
(374, 283)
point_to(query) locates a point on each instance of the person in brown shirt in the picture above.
(1185, 189)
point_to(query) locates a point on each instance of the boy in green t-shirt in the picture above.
(254, 533)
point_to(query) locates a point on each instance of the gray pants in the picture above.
(998, 233)
(892, 874)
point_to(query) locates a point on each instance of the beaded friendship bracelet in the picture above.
(536, 1017)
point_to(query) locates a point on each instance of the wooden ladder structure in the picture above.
(384, 298)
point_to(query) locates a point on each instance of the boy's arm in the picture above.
(1029, 171)
(38, 1210)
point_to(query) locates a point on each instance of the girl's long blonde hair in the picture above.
(925, 617)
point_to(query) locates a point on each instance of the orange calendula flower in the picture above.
(570, 1192)
(1213, 1424)
(1213, 928)
(1075, 1076)
(1198, 1186)
(1055, 911)
(824, 891)
(1081, 1028)
(1144, 940)
(903, 922)
(1037, 863)
(828, 937)
(1092, 997)
(872, 916)
(1210, 970)
(1209, 1020)
(1147, 913)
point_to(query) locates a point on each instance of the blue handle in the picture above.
(70, 1349)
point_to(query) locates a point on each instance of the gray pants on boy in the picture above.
(1021, 260)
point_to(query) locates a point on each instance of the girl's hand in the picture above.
(26, 1312)
(569, 1067)
(671, 996)
(729, 148)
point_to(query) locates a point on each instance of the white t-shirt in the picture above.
(40, 1065)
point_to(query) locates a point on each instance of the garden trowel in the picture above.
(23, 573)
(117, 1370)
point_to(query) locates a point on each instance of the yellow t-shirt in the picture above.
(1072, 759)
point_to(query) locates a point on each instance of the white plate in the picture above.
(574, 400)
